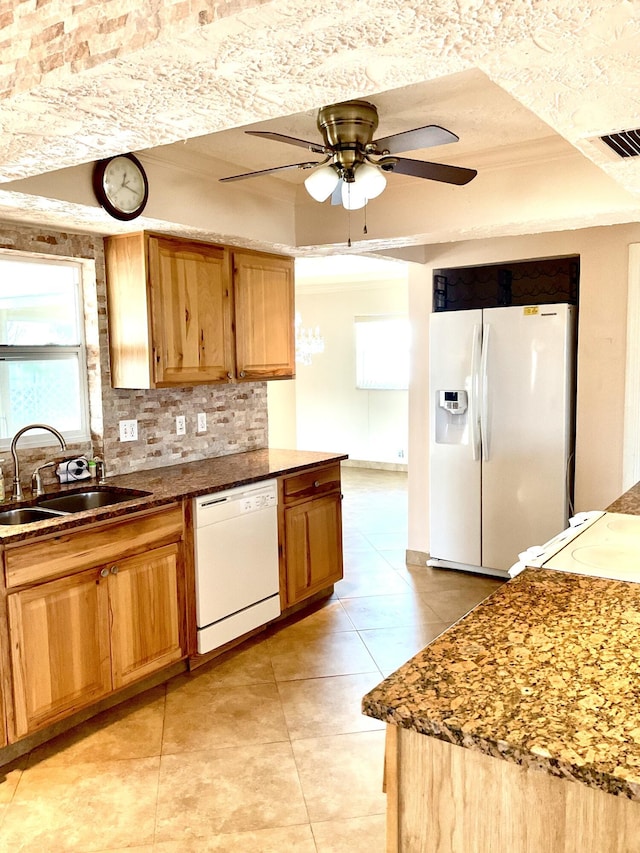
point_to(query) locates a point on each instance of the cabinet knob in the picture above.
(316, 483)
(114, 570)
(242, 374)
(229, 375)
(104, 573)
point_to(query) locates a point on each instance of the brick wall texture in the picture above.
(236, 414)
(48, 40)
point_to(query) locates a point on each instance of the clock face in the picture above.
(121, 186)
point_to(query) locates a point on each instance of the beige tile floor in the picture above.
(266, 752)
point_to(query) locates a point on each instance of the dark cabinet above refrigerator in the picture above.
(542, 281)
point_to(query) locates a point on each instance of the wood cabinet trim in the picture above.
(63, 553)
(309, 483)
(129, 313)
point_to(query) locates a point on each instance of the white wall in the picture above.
(281, 411)
(330, 413)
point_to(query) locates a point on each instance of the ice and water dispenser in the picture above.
(452, 415)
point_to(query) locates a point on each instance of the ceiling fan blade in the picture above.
(414, 140)
(267, 171)
(433, 171)
(316, 147)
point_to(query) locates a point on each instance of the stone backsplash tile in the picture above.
(236, 421)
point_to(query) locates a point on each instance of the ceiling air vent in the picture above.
(625, 144)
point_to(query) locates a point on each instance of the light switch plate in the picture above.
(128, 430)
(202, 421)
(181, 425)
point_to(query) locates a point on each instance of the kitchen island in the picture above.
(518, 729)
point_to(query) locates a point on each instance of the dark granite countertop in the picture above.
(172, 483)
(545, 672)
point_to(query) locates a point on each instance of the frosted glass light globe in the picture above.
(322, 182)
(352, 197)
(370, 180)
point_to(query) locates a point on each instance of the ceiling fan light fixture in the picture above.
(353, 197)
(322, 182)
(370, 180)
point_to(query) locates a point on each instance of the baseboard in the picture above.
(377, 466)
(416, 558)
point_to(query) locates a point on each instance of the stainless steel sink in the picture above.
(93, 498)
(27, 514)
(68, 503)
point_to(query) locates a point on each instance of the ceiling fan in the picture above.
(354, 165)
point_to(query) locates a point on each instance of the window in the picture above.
(382, 352)
(42, 352)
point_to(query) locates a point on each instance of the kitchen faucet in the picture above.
(100, 469)
(17, 488)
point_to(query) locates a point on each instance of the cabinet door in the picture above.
(145, 629)
(60, 648)
(264, 301)
(191, 310)
(313, 544)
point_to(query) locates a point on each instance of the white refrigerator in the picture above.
(501, 432)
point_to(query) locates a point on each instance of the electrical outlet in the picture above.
(181, 425)
(128, 430)
(202, 421)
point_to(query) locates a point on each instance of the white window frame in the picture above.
(10, 352)
(366, 380)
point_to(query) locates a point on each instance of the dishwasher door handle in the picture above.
(213, 502)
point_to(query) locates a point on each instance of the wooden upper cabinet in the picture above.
(264, 316)
(191, 312)
(171, 312)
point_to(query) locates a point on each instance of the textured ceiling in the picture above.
(132, 75)
(485, 118)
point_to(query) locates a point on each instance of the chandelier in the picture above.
(309, 342)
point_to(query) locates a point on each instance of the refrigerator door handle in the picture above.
(484, 393)
(474, 410)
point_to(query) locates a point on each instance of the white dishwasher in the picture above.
(236, 556)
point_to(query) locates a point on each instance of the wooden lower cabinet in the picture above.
(59, 648)
(311, 533)
(76, 639)
(314, 543)
(145, 634)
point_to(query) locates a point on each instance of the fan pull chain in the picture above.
(349, 227)
(364, 230)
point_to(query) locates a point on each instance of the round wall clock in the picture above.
(121, 186)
